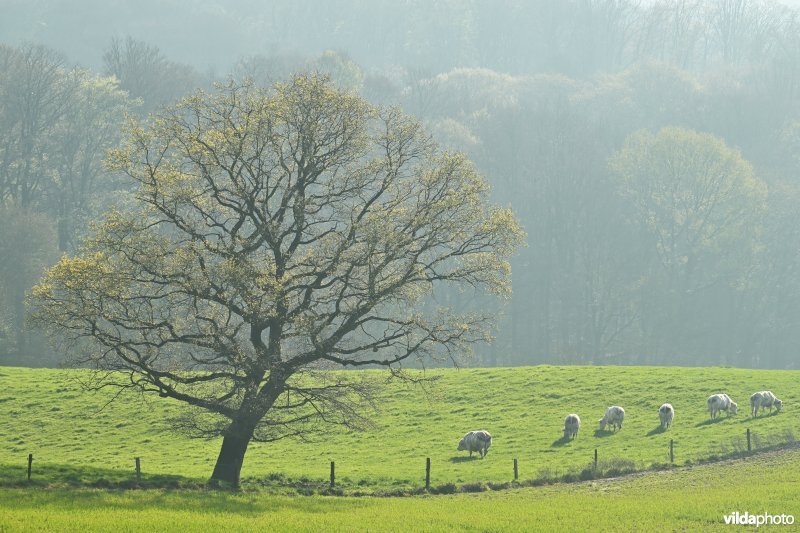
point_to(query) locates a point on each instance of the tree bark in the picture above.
(231, 456)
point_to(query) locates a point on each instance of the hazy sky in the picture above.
(209, 33)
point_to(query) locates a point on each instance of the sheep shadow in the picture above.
(603, 433)
(709, 421)
(747, 419)
(561, 442)
(464, 458)
(656, 430)
(761, 415)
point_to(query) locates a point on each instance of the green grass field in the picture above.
(77, 439)
(686, 499)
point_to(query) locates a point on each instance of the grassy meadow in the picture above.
(78, 438)
(686, 499)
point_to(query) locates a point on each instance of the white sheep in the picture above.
(721, 402)
(613, 417)
(476, 441)
(763, 399)
(572, 423)
(666, 413)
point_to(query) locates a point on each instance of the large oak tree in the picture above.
(277, 234)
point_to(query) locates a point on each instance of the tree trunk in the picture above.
(231, 455)
(19, 321)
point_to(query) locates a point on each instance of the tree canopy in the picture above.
(700, 209)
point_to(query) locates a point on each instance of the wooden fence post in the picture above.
(595, 459)
(427, 473)
(138, 470)
(516, 471)
(333, 474)
(30, 463)
(671, 455)
(748, 440)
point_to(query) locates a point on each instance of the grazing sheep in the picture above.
(721, 402)
(613, 417)
(476, 441)
(764, 399)
(666, 413)
(572, 423)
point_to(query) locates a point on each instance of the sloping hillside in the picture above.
(75, 435)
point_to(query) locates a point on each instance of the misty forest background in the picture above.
(628, 260)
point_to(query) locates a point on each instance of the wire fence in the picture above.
(596, 467)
